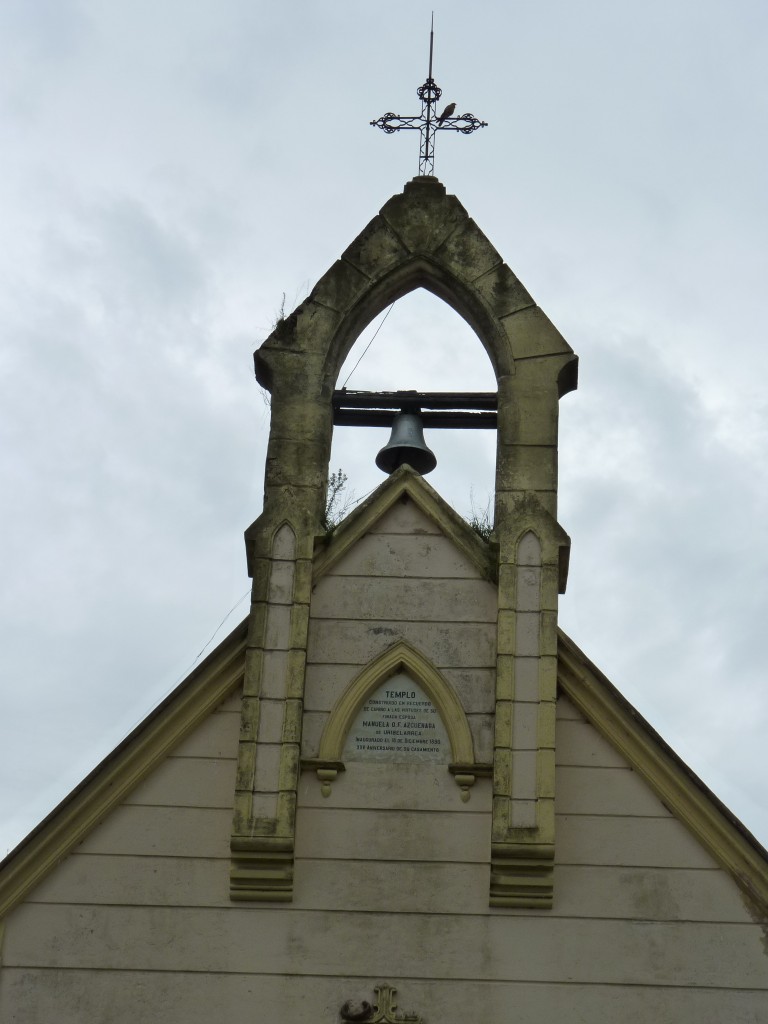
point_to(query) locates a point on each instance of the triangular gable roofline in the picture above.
(68, 824)
(679, 788)
(717, 829)
(405, 481)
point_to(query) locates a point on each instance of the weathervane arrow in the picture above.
(428, 122)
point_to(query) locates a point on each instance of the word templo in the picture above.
(398, 722)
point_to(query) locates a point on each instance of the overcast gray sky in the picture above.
(171, 170)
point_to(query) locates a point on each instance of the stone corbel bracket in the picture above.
(326, 771)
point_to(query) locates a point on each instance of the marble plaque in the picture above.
(398, 722)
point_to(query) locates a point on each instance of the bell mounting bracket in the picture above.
(451, 410)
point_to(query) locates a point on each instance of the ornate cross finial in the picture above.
(428, 121)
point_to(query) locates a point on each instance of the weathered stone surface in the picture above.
(423, 216)
(386, 598)
(302, 420)
(271, 713)
(531, 334)
(527, 468)
(289, 462)
(536, 410)
(503, 292)
(71, 997)
(405, 518)
(468, 253)
(525, 726)
(420, 557)
(408, 836)
(339, 287)
(628, 842)
(399, 887)
(188, 782)
(606, 791)
(455, 645)
(376, 249)
(406, 787)
(162, 831)
(289, 351)
(218, 740)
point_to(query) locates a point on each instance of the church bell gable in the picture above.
(422, 238)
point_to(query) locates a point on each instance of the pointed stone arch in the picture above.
(400, 657)
(432, 275)
(529, 549)
(284, 541)
(422, 238)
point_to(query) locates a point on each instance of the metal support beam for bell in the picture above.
(467, 410)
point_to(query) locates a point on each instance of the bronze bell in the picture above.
(406, 444)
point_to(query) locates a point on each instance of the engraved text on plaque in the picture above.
(398, 722)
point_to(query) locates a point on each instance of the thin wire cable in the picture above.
(356, 501)
(213, 634)
(170, 690)
(208, 642)
(368, 345)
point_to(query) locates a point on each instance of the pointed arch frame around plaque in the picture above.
(400, 657)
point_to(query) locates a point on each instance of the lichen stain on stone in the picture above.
(758, 912)
(652, 896)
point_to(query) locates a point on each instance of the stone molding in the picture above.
(402, 485)
(401, 656)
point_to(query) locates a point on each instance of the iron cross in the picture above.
(429, 122)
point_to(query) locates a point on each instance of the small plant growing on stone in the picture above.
(480, 519)
(337, 502)
(278, 319)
